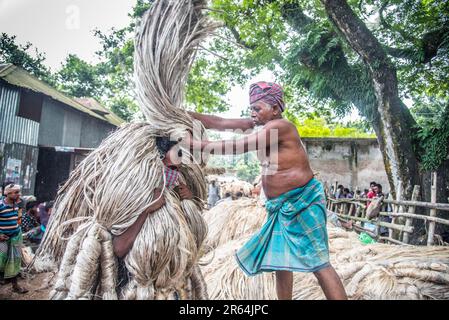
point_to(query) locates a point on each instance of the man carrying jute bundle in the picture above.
(294, 238)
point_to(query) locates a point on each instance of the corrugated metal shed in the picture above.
(15, 129)
(21, 78)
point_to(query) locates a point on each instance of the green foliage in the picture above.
(205, 88)
(78, 78)
(324, 79)
(25, 56)
(323, 76)
(124, 106)
(434, 142)
(318, 127)
(111, 80)
(416, 35)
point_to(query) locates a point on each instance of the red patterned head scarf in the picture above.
(268, 92)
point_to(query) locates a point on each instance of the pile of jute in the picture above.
(375, 271)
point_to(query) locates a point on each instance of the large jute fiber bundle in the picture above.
(115, 184)
(226, 281)
(377, 271)
(231, 220)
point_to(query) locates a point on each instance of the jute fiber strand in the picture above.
(115, 183)
(376, 271)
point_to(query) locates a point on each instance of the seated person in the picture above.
(30, 218)
(36, 234)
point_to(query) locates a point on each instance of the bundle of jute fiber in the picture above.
(236, 186)
(115, 184)
(165, 49)
(231, 220)
(382, 271)
(377, 271)
(226, 281)
(214, 171)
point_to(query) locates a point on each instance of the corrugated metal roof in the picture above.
(96, 107)
(18, 77)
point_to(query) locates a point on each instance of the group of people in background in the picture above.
(23, 222)
(374, 191)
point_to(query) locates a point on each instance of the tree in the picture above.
(79, 79)
(248, 168)
(25, 56)
(319, 127)
(394, 121)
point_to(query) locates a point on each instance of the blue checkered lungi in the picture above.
(294, 237)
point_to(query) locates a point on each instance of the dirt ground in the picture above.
(39, 286)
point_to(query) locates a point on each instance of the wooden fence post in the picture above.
(351, 209)
(399, 209)
(411, 209)
(433, 212)
(335, 187)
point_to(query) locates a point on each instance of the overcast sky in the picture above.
(60, 27)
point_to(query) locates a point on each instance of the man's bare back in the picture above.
(287, 167)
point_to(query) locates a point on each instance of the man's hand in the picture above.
(184, 192)
(189, 143)
(4, 237)
(159, 203)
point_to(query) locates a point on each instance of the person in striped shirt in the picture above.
(10, 237)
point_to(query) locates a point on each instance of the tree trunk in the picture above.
(345, 82)
(395, 121)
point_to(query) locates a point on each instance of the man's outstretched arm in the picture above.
(221, 124)
(266, 137)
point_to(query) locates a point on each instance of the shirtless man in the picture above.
(294, 238)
